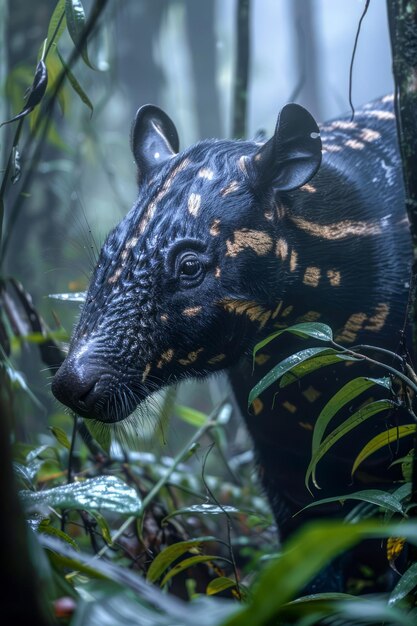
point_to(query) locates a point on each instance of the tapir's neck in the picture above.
(333, 247)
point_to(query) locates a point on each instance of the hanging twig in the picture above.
(353, 56)
(240, 100)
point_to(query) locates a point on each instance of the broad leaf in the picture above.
(281, 368)
(348, 392)
(345, 427)
(219, 584)
(102, 493)
(405, 585)
(383, 439)
(165, 558)
(316, 330)
(378, 497)
(186, 563)
(307, 367)
(321, 543)
(75, 15)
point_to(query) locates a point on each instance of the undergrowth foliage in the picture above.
(112, 529)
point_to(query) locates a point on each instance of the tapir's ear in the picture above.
(153, 138)
(293, 155)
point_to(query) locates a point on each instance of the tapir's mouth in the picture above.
(94, 393)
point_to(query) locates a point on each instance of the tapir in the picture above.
(230, 240)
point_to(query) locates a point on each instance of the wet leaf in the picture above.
(16, 165)
(380, 441)
(76, 296)
(101, 493)
(384, 499)
(321, 542)
(205, 509)
(346, 426)
(165, 558)
(405, 585)
(75, 15)
(281, 368)
(307, 367)
(316, 330)
(24, 474)
(348, 392)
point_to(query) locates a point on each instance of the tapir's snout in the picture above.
(90, 387)
(78, 384)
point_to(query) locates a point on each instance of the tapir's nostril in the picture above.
(77, 387)
(84, 397)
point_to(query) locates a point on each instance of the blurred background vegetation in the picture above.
(62, 194)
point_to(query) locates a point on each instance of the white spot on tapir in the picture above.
(389, 172)
(157, 155)
(385, 220)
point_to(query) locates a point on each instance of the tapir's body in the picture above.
(229, 241)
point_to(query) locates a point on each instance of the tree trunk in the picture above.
(240, 98)
(402, 16)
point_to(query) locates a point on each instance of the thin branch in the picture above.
(367, 2)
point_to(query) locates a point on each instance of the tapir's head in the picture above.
(190, 275)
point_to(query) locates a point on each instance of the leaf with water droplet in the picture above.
(101, 493)
(283, 367)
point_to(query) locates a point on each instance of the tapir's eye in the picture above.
(190, 266)
(187, 262)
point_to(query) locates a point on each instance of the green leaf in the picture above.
(281, 368)
(75, 15)
(349, 424)
(348, 392)
(378, 497)
(61, 436)
(316, 330)
(308, 552)
(75, 84)
(165, 558)
(104, 492)
(380, 441)
(405, 585)
(329, 358)
(48, 529)
(205, 509)
(57, 23)
(104, 527)
(186, 563)
(191, 416)
(219, 584)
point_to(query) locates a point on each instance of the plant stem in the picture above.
(212, 421)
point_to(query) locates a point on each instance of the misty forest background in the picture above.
(175, 500)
